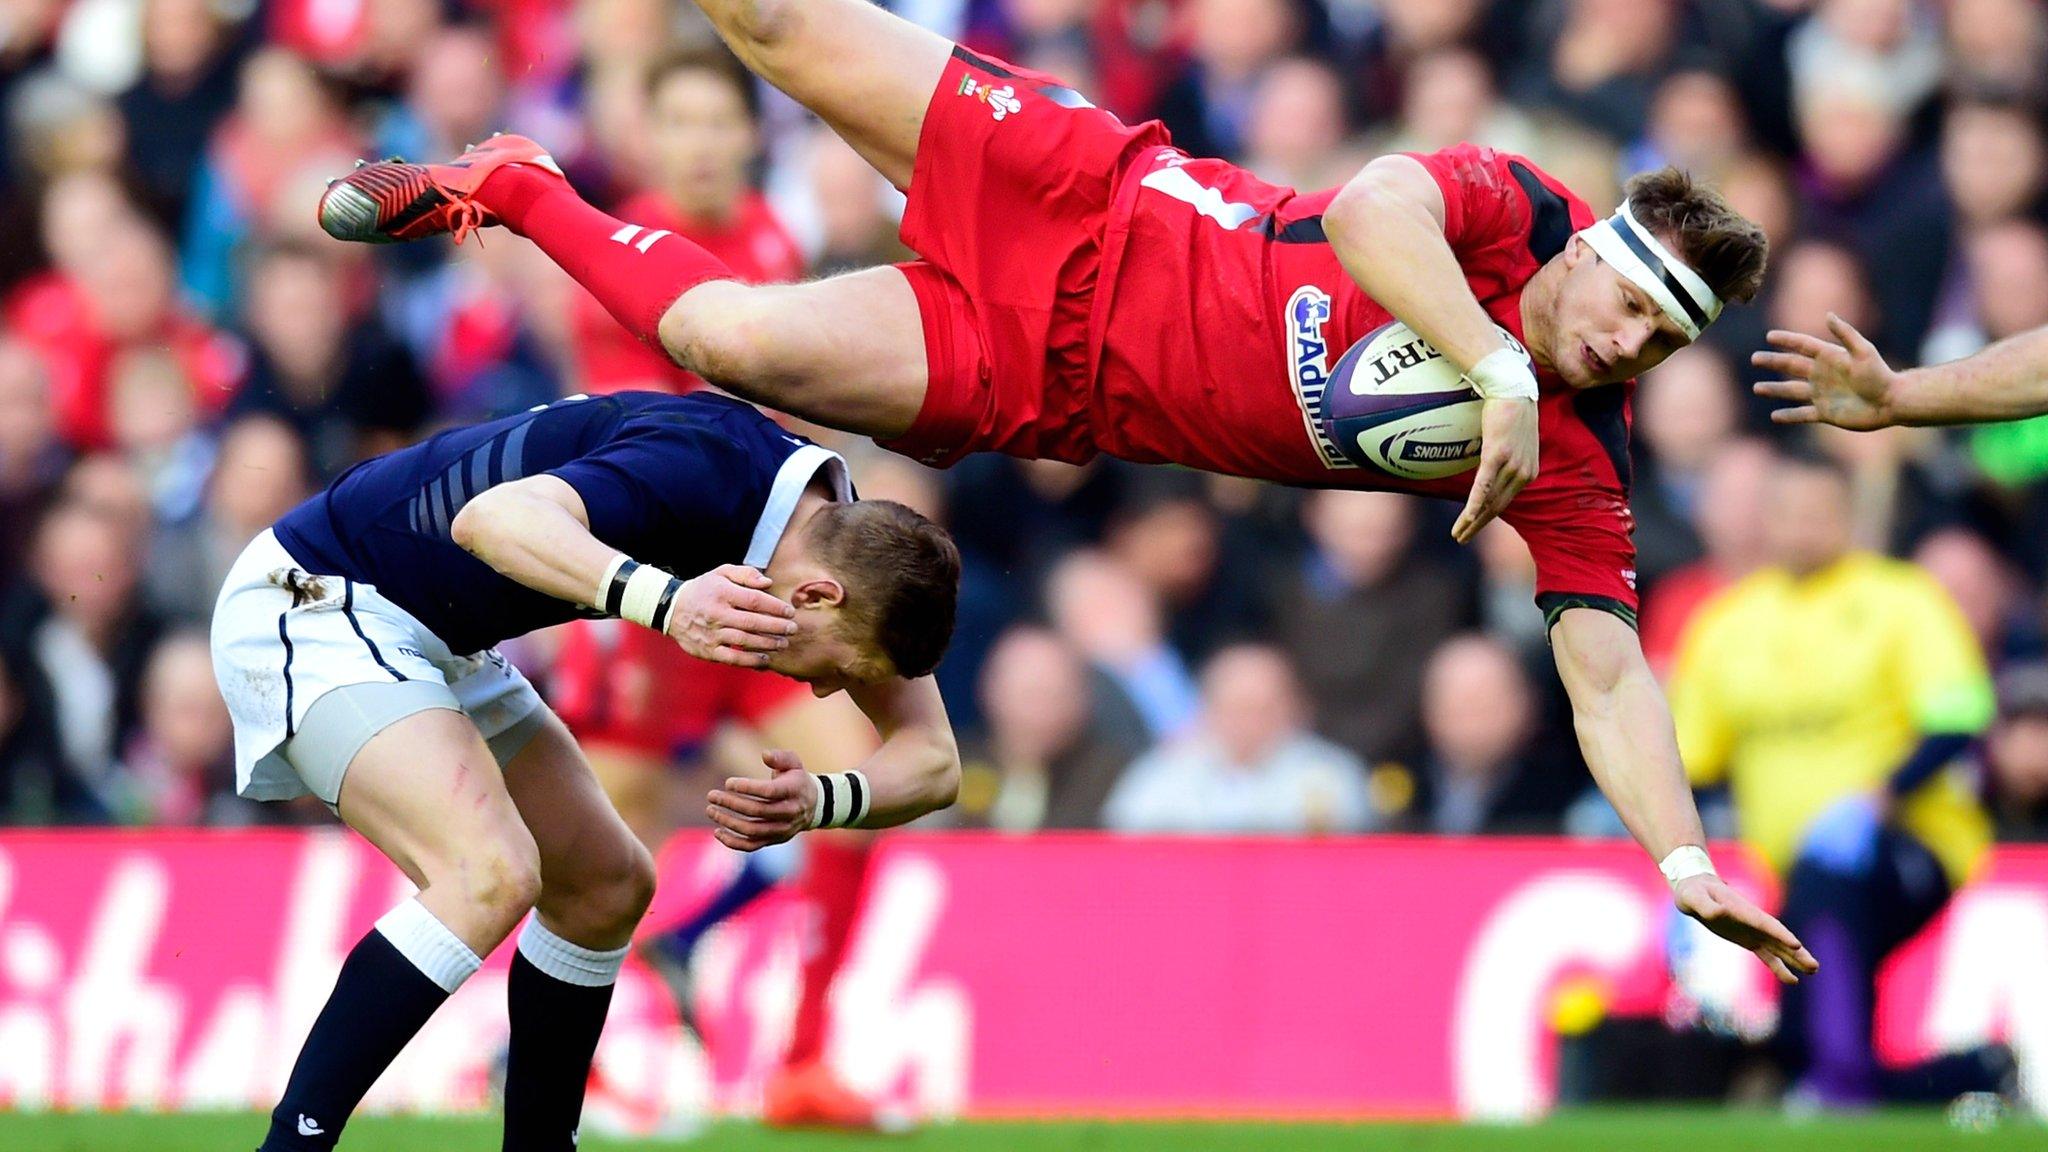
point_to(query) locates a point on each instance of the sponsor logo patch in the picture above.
(1308, 311)
(1001, 101)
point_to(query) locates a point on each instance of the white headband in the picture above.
(1636, 253)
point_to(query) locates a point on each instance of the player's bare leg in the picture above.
(847, 352)
(867, 73)
(596, 878)
(426, 791)
(596, 881)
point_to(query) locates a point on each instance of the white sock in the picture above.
(432, 948)
(567, 962)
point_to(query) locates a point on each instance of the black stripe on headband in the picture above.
(615, 596)
(1626, 230)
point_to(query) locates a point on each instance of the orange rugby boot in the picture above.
(812, 1096)
(391, 200)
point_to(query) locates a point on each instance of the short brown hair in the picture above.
(1725, 247)
(902, 578)
(712, 59)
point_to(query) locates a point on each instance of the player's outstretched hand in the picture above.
(1507, 462)
(754, 813)
(727, 617)
(1728, 914)
(1847, 384)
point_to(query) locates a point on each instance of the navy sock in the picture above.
(379, 1002)
(555, 1025)
(747, 885)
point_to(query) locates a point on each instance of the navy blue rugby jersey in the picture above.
(686, 483)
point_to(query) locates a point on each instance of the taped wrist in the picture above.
(1504, 374)
(843, 800)
(638, 592)
(1685, 862)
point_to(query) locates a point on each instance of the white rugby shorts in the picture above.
(284, 637)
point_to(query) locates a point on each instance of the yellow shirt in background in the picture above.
(1800, 692)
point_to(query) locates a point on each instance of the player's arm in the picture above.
(825, 732)
(915, 770)
(1387, 228)
(1626, 733)
(1846, 383)
(536, 531)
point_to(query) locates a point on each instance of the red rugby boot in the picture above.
(392, 200)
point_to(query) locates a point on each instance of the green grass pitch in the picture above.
(1600, 1131)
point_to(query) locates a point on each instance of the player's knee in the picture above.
(727, 338)
(502, 877)
(631, 887)
(604, 893)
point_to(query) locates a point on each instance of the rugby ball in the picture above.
(1395, 405)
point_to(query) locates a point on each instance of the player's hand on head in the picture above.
(1846, 384)
(1508, 454)
(1730, 915)
(727, 616)
(751, 813)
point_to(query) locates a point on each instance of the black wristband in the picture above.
(668, 600)
(615, 595)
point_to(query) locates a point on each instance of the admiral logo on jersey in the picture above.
(1308, 310)
(1001, 101)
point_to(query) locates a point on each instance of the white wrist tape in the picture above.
(843, 800)
(638, 592)
(1685, 862)
(1503, 374)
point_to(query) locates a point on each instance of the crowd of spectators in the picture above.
(183, 356)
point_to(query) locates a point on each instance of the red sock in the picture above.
(635, 272)
(834, 873)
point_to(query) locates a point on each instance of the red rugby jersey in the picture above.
(1227, 307)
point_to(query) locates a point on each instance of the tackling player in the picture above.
(1848, 384)
(353, 644)
(1089, 288)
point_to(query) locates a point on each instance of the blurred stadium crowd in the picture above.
(185, 357)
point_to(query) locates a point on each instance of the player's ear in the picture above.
(1576, 250)
(820, 592)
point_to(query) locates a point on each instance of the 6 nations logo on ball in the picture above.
(1308, 310)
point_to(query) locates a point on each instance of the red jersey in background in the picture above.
(54, 316)
(620, 685)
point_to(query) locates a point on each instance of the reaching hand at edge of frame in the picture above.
(1730, 915)
(1846, 384)
(1509, 451)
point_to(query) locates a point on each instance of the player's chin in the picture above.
(1600, 379)
(1578, 373)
